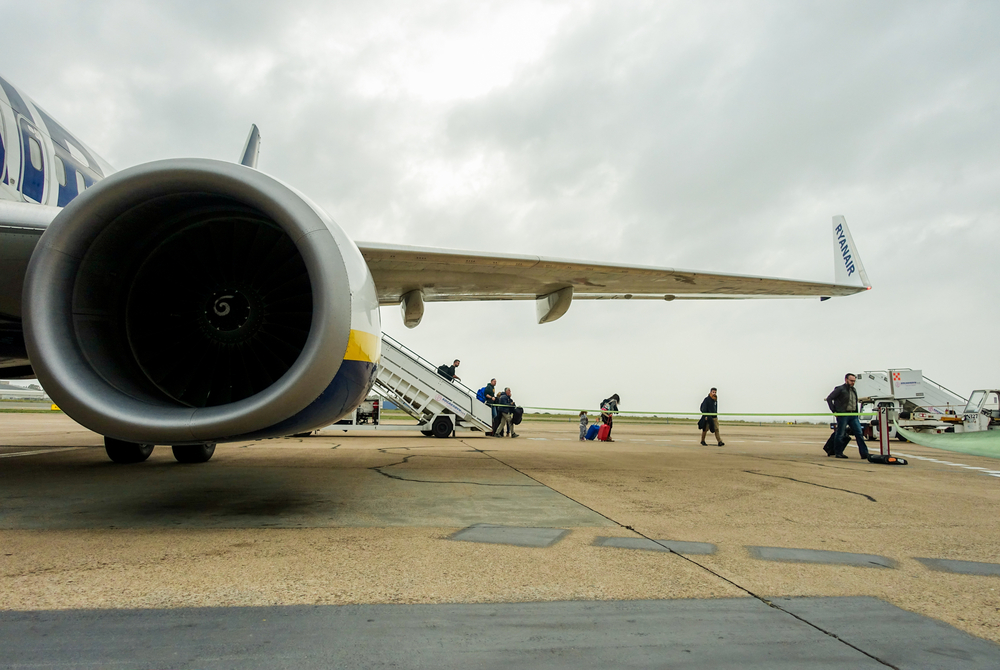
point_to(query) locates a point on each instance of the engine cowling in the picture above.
(192, 301)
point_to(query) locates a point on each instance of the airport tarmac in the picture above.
(833, 549)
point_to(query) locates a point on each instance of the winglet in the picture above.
(252, 148)
(847, 267)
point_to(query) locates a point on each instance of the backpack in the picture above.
(481, 395)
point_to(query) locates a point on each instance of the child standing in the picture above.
(583, 425)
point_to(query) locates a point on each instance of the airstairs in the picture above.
(911, 389)
(440, 407)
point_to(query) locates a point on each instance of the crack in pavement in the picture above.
(703, 567)
(797, 462)
(792, 479)
(378, 469)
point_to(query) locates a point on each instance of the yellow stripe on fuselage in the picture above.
(363, 347)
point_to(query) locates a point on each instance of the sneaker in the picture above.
(722, 444)
(841, 455)
(513, 434)
(704, 443)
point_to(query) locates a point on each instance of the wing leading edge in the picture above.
(413, 275)
(444, 275)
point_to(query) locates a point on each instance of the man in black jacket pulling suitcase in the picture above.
(844, 399)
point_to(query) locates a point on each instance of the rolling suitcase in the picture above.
(592, 431)
(829, 447)
(604, 433)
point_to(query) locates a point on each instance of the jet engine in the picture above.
(188, 302)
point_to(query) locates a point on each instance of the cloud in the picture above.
(717, 137)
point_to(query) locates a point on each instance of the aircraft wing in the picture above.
(441, 275)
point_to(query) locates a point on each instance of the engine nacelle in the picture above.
(193, 301)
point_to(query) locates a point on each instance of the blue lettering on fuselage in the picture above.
(845, 250)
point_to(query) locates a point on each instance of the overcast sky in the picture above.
(702, 136)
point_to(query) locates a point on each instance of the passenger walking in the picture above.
(608, 408)
(583, 426)
(506, 414)
(448, 371)
(709, 420)
(844, 400)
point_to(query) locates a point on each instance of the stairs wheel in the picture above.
(442, 427)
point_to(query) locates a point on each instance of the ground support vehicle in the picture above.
(982, 412)
(367, 413)
(915, 402)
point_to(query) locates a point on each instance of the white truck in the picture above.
(915, 402)
(981, 413)
(367, 413)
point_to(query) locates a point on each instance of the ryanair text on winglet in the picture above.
(845, 249)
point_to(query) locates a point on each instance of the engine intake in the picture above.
(187, 301)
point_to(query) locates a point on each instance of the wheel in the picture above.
(193, 453)
(121, 451)
(441, 427)
(427, 433)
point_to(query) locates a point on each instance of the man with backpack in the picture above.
(448, 371)
(487, 395)
(608, 407)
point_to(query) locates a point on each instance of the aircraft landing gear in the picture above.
(193, 453)
(121, 451)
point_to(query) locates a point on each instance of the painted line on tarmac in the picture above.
(40, 451)
(990, 473)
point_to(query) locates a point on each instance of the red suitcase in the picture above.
(604, 433)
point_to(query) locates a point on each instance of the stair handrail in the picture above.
(945, 388)
(426, 363)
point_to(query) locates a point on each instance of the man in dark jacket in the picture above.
(844, 399)
(448, 371)
(505, 415)
(710, 417)
(491, 399)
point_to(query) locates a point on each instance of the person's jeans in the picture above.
(852, 424)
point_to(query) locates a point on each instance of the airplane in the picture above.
(188, 302)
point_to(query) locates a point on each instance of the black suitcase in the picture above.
(829, 448)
